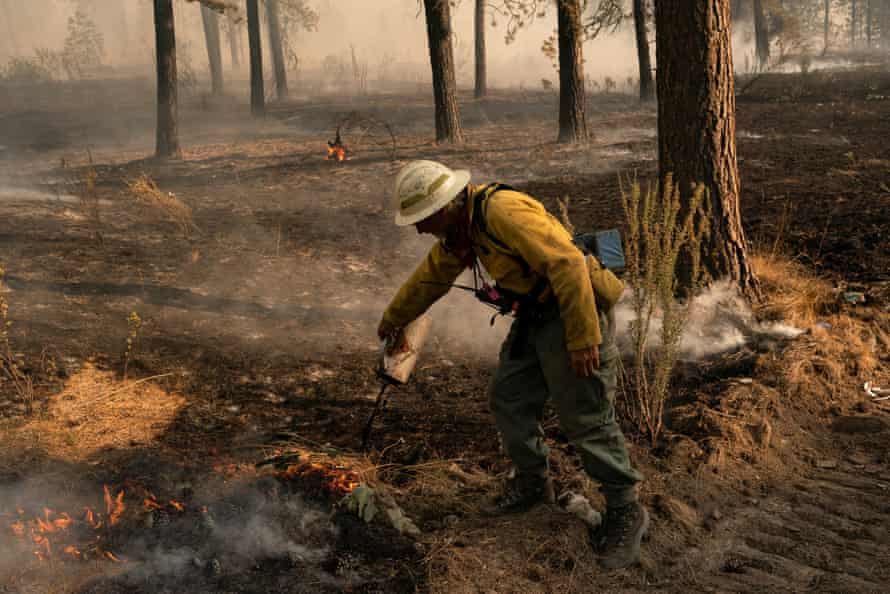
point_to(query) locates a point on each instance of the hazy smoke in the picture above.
(720, 321)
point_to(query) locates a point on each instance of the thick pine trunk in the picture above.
(277, 49)
(438, 27)
(647, 85)
(696, 126)
(761, 35)
(167, 137)
(214, 51)
(481, 75)
(572, 118)
(257, 90)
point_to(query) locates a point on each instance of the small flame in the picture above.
(336, 153)
(114, 507)
(111, 556)
(73, 551)
(18, 528)
(177, 505)
(334, 480)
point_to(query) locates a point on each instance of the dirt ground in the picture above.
(255, 338)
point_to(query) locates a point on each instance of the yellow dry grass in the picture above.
(146, 191)
(792, 294)
(94, 412)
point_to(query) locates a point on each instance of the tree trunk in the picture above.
(214, 52)
(277, 49)
(761, 34)
(167, 137)
(853, 23)
(481, 82)
(647, 86)
(868, 23)
(438, 27)
(257, 90)
(572, 118)
(234, 48)
(826, 31)
(696, 127)
(11, 36)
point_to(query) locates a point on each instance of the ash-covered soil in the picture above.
(256, 337)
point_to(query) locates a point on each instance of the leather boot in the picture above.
(522, 493)
(618, 539)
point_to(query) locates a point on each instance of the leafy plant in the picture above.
(656, 238)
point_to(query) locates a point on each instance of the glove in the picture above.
(585, 362)
(394, 337)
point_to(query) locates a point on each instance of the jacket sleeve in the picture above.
(415, 297)
(547, 247)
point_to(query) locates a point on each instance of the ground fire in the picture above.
(337, 151)
(53, 532)
(324, 480)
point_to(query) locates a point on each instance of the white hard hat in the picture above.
(423, 188)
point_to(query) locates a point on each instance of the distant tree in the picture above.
(234, 34)
(647, 85)
(276, 48)
(854, 21)
(761, 34)
(257, 90)
(481, 83)
(167, 137)
(210, 20)
(826, 27)
(439, 34)
(572, 100)
(696, 127)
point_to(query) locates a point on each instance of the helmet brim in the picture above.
(446, 195)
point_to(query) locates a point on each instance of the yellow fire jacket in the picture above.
(531, 235)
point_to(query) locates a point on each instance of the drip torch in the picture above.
(398, 357)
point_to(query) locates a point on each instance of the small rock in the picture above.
(827, 464)
(745, 380)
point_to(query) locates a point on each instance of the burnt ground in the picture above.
(257, 339)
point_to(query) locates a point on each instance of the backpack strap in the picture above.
(479, 205)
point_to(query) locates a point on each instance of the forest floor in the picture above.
(255, 339)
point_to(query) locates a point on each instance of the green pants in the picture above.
(541, 369)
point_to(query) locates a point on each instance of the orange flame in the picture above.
(18, 528)
(111, 556)
(177, 505)
(114, 507)
(336, 152)
(334, 480)
(73, 551)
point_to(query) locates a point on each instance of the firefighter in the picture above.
(561, 344)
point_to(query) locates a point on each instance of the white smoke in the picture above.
(720, 321)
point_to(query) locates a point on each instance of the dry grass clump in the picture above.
(791, 293)
(146, 191)
(96, 412)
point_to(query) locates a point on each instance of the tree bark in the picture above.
(438, 27)
(214, 51)
(572, 100)
(257, 90)
(481, 75)
(277, 49)
(826, 30)
(167, 134)
(761, 34)
(696, 128)
(647, 86)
